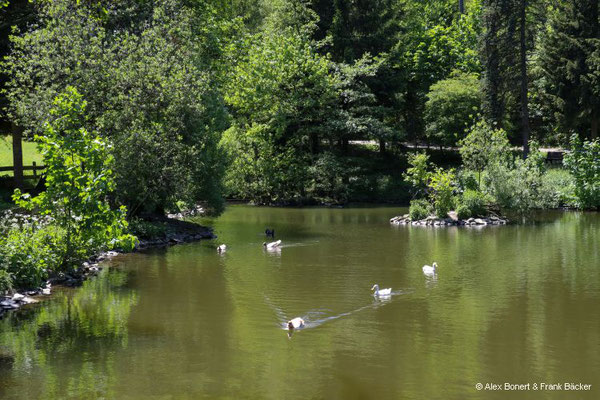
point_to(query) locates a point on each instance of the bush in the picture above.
(519, 185)
(146, 229)
(5, 281)
(419, 209)
(560, 185)
(451, 107)
(583, 162)
(471, 204)
(28, 254)
(441, 185)
(467, 180)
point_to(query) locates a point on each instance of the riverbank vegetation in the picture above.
(292, 102)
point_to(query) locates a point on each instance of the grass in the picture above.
(30, 154)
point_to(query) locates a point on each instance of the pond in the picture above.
(516, 304)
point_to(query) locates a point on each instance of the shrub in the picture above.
(560, 185)
(441, 185)
(451, 107)
(471, 204)
(419, 209)
(28, 254)
(483, 145)
(583, 162)
(519, 185)
(417, 174)
(5, 281)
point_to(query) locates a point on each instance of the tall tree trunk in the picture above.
(461, 6)
(17, 136)
(525, 129)
(381, 146)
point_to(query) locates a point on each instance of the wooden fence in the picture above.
(33, 167)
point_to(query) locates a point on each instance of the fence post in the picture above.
(34, 169)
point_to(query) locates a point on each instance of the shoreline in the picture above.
(176, 232)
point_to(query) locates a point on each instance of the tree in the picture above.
(483, 145)
(280, 95)
(152, 86)
(79, 180)
(569, 60)
(451, 108)
(506, 27)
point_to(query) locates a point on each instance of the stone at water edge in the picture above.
(18, 297)
(46, 291)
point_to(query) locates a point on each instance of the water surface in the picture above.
(514, 304)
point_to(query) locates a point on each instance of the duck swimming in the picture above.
(295, 323)
(221, 248)
(272, 245)
(430, 269)
(382, 292)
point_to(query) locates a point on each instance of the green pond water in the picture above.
(516, 304)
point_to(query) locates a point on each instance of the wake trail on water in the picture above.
(318, 317)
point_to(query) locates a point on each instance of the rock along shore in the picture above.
(451, 220)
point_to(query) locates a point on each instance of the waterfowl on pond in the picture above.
(382, 292)
(270, 233)
(295, 323)
(272, 245)
(430, 269)
(221, 248)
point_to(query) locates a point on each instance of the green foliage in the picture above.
(151, 74)
(419, 209)
(451, 108)
(27, 254)
(483, 146)
(279, 94)
(328, 174)
(6, 283)
(583, 162)
(471, 203)
(417, 174)
(442, 184)
(518, 185)
(561, 186)
(78, 180)
(569, 61)
(146, 229)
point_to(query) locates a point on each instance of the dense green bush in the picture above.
(561, 186)
(451, 107)
(583, 162)
(518, 184)
(442, 185)
(471, 203)
(28, 254)
(6, 283)
(419, 209)
(328, 174)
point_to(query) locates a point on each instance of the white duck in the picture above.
(295, 323)
(272, 245)
(221, 248)
(430, 269)
(382, 292)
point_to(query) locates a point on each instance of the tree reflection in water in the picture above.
(60, 334)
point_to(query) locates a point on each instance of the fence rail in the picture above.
(34, 167)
